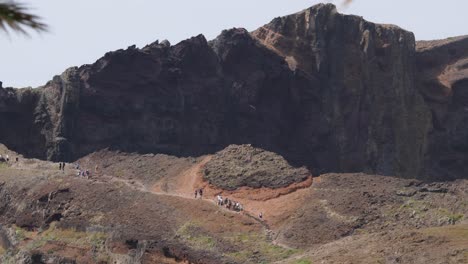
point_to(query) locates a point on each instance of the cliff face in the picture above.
(19, 127)
(377, 120)
(443, 81)
(192, 98)
(323, 89)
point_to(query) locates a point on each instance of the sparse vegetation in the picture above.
(451, 216)
(20, 233)
(455, 233)
(455, 217)
(246, 244)
(303, 261)
(59, 239)
(3, 165)
(191, 233)
(257, 244)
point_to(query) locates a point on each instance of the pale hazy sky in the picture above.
(82, 31)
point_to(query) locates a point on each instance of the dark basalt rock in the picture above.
(330, 91)
(443, 80)
(372, 117)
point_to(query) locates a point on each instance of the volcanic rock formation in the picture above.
(443, 80)
(239, 166)
(330, 91)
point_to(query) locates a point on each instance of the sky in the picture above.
(82, 31)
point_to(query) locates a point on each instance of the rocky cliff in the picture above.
(375, 118)
(330, 91)
(443, 80)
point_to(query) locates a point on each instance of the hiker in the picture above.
(17, 159)
(249, 158)
(60, 165)
(220, 200)
(63, 166)
(200, 192)
(196, 192)
(260, 215)
(7, 158)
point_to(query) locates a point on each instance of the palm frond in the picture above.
(16, 17)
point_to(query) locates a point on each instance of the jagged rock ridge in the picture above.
(330, 91)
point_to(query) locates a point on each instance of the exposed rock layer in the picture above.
(330, 91)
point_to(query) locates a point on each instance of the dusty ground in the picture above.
(141, 209)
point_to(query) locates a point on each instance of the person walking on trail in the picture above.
(249, 158)
(63, 166)
(201, 193)
(7, 158)
(60, 165)
(220, 200)
(260, 215)
(196, 192)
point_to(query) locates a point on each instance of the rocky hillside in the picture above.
(238, 166)
(122, 215)
(330, 91)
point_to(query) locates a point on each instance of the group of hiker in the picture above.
(226, 202)
(62, 166)
(229, 204)
(81, 172)
(199, 193)
(6, 158)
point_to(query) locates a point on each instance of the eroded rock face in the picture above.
(19, 121)
(189, 99)
(330, 91)
(373, 116)
(443, 80)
